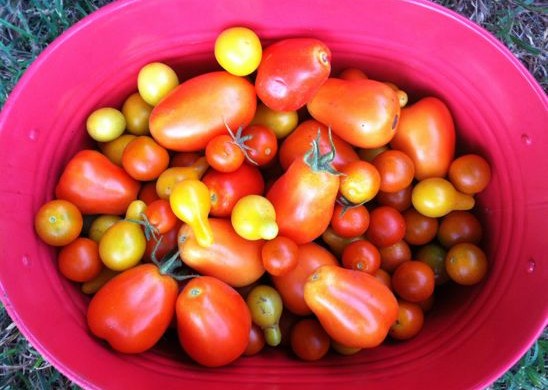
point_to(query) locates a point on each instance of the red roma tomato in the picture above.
(396, 170)
(466, 263)
(361, 255)
(413, 281)
(291, 284)
(227, 188)
(96, 185)
(400, 200)
(409, 322)
(426, 133)
(230, 258)
(364, 113)
(298, 142)
(79, 261)
(133, 310)
(309, 341)
(393, 255)
(354, 308)
(213, 322)
(201, 108)
(143, 159)
(350, 222)
(291, 71)
(223, 154)
(419, 229)
(161, 216)
(470, 173)
(280, 255)
(304, 196)
(386, 226)
(58, 222)
(262, 145)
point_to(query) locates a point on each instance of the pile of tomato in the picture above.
(267, 203)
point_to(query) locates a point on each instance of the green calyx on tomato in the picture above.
(321, 162)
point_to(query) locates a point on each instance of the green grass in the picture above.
(28, 26)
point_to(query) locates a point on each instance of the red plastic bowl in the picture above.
(472, 337)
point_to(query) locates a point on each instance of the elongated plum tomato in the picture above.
(365, 113)
(213, 322)
(230, 258)
(426, 133)
(133, 310)
(354, 308)
(291, 72)
(96, 185)
(201, 108)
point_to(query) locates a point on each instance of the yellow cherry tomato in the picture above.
(360, 181)
(135, 210)
(115, 149)
(100, 225)
(436, 197)
(280, 122)
(136, 111)
(58, 222)
(171, 176)
(105, 124)
(92, 286)
(238, 50)
(254, 218)
(155, 81)
(191, 203)
(265, 305)
(123, 245)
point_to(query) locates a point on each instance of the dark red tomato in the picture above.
(148, 192)
(224, 154)
(201, 108)
(227, 188)
(419, 229)
(262, 145)
(409, 322)
(350, 222)
(95, 185)
(470, 173)
(143, 159)
(133, 310)
(383, 277)
(79, 261)
(213, 322)
(291, 72)
(361, 255)
(434, 255)
(165, 247)
(184, 159)
(160, 215)
(298, 142)
(396, 170)
(426, 133)
(386, 226)
(256, 341)
(459, 226)
(280, 255)
(304, 196)
(393, 255)
(364, 112)
(400, 200)
(413, 281)
(291, 284)
(309, 341)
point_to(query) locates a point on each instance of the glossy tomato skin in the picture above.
(426, 133)
(364, 113)
(299, 140)
(290, 285)
(413, 281)
(201, 108)
(262, 145)
(386, 226)
(58, 222)
(231, 258)
(143, 159)
(213, 322)
(304, 200)
(291, 72)
(354, 308)
(79, 261)
(226, 188)
(409, 323)
(96, 185)
(134, 309)
(309, 341)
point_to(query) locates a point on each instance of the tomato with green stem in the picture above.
(260, 144)
(350, 221)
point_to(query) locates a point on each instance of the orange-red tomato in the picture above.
(393, 255)
(386, 226)
(350, 222)
(426, 133)
(409, 322)
(400, 200)
(161, 216)
(413, 281)
(291, 284)
(352, 74)
(144, 159)
(470, 173)
(148, 193)
(383, 277)
(361, 255)
(280, 255)
(79, 261)
(309, 341)
(58, 222)
(224, 154)
(360, 181)
(466, 263)
(459, 226)
(419, 229)
(262, 145)
(256, 341)
(396, 170)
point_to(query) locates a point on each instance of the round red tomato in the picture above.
(396, 170)
(261, 144)
(419, 229)
(470, 173)
(213, 321)
(361, 255)
(160, 215)
(350, 222)
(400, 200)
(386, 226)
(79, 261)
(309, 341)
(144, 159)
(224, 154)
(393, 255)
(413, 281)
(409, 322)
(459, 226)
(466, 263)
(280, 255)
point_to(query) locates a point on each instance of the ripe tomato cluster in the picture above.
(266, 203)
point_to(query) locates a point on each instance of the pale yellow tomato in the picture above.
(155, 81)
(238, 50)
(105, 124)
(254, 218)
(136, 112)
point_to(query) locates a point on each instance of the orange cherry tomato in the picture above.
(466, 263)
(309, 341)
(79, 261)
(396, 170)
(413, 281)
(409, 323)
(144, 159)
(470, 173)
(360, 181)
(58, 222)
(224, 154)
(279, 255)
